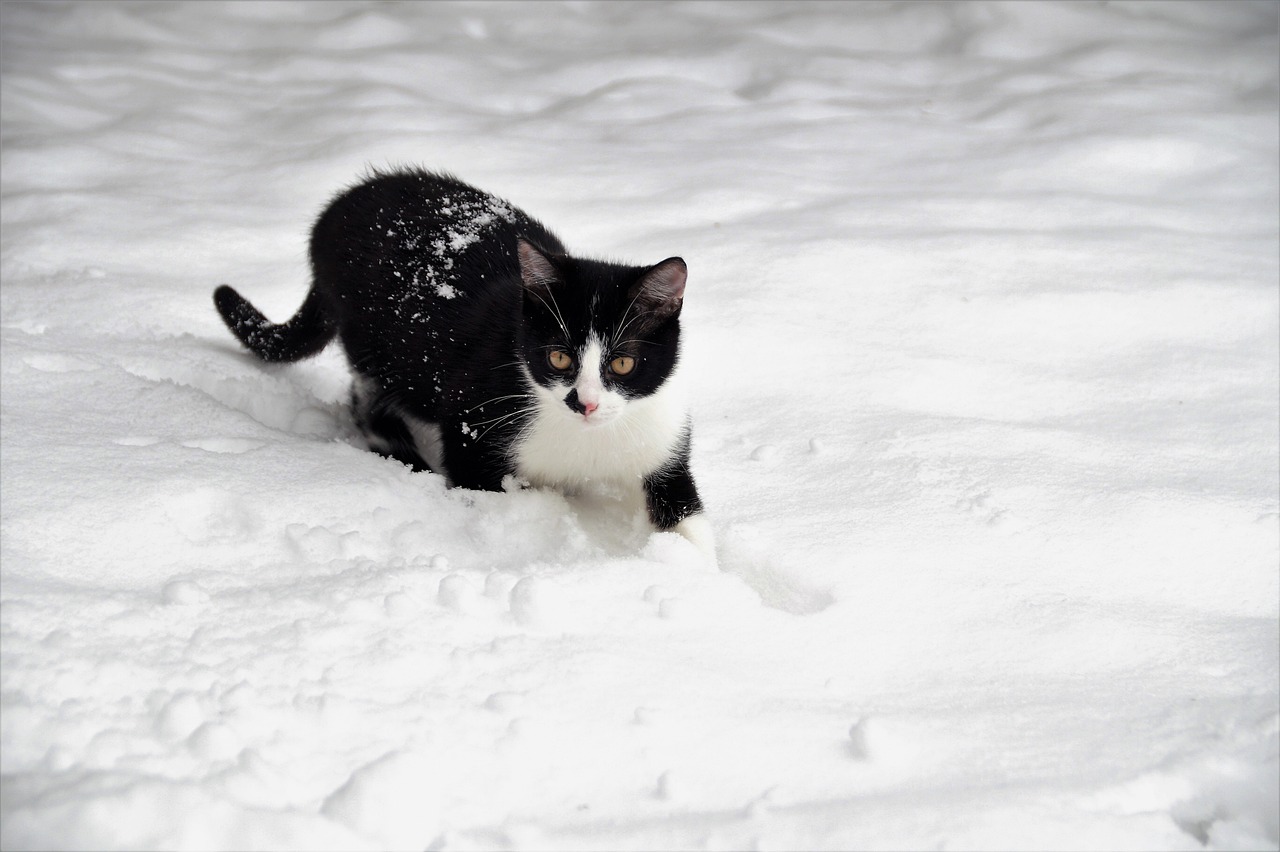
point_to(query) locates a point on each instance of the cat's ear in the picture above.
(537, 272)
(660, 289)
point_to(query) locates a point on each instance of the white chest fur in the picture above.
(558, 449)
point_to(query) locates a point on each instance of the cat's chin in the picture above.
(597, 419)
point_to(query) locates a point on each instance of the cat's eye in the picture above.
(622, 365)
(559, 359)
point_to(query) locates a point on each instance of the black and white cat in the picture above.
(482, 350)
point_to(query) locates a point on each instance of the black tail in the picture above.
(309, 331)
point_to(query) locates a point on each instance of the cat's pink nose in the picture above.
(581, 406)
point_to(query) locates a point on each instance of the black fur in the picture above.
(670, 494)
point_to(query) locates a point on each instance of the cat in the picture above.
(483, 351)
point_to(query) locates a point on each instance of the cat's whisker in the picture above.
(626, 318)
(481, 405)
(498, 421)
(506, 416)
(555, 311)
(559, 316)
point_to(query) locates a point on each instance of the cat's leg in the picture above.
(389, 432)
(472, 461)
(673, 503)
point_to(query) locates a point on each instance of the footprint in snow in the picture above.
(982, 508)
(764, 453)
(209, 514)
(746, 554)
(886, 741)
(504, 702)
(320, 544)
(183, 593)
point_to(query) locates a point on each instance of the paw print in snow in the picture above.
(981, 506)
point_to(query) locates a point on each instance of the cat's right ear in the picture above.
(660, 290)
(537, 273)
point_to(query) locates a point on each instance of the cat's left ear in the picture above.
(537, 272)
(660, 289)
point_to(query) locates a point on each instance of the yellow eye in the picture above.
(560, 360)
(622, 365)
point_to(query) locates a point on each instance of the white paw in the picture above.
(697, 529)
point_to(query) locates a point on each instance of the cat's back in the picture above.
(421, 274)
(384, 197)
(422, 229)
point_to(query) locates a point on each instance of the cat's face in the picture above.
(598, 336)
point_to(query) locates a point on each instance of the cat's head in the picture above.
(597, 336)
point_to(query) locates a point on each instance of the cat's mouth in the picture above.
(588, 411)
(596, 420)
(596, 417)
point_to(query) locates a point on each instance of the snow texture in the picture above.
(982, 331)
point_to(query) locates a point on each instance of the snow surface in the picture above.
(982, 325)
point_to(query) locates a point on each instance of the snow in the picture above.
(982, 333)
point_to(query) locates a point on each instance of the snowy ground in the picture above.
(983, 324)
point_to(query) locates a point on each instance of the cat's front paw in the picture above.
(512, 483)
(697, 529)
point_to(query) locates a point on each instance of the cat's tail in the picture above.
(309, 331)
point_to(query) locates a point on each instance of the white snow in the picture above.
(982, 343)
